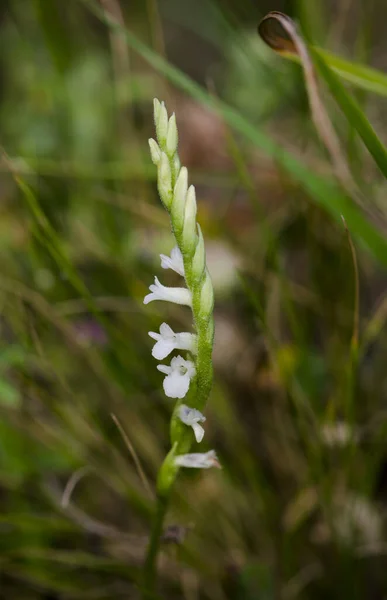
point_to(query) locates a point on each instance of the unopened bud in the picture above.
(156, 110)
(164, 180)
(199, 259)
(172, 137)
(189, 225)
(155, 151)
(162, 125)
(179, 199)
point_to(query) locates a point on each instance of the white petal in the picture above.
(186, 366)
(149, 298)
(192, 417)
(168, 294)
(198, 431)
(164, 369)
(166, 330)
(154, 335)
(186, 341)
(167, 341)
(198, 460)
(184, 413)
(176, 385)
(177, 362)
(189, 416)
(178, 378)
(162, 349)
(174, 262)
(191, 371)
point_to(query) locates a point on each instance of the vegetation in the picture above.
(297, 251)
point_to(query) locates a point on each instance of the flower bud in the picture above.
(165, 181)
(162, 125)
(199, 259)
(189, 225)
(155, 151)
(172, 137)
(179, 199)
(206, 297)
(156, 110)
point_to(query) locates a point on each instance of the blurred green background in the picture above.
(297, 412)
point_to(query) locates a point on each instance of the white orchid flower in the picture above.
(198, 460)
(174, 262)
(178, 376)
(167, 340)
(168, 294)
(192, 418)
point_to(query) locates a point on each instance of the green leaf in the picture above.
(361, 76)
(354, 114)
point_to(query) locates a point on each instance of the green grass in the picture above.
(81, 229)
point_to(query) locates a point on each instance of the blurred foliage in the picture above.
(298, 510)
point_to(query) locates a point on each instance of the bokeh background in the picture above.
(298, 510)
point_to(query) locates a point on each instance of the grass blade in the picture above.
(354, 114)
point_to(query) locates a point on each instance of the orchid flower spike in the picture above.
(167, 340)
(193, 371)
(178, 376)
(168, 294)
(174, 262)
(192, 418)
(198, 460)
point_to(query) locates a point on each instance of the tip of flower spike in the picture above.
(161, 123)
(156, 109)
(172, 136)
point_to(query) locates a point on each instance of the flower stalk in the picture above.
(189, 379)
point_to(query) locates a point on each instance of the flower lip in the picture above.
(167, 341)
(198, 460)
(169, 294)
(192, 418)
(178, 376)
(174, 261)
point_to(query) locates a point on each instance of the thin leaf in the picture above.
(354, 115)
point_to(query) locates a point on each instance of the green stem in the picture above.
(150, 570)
(205, 333)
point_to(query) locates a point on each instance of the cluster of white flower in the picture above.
(180, 202)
